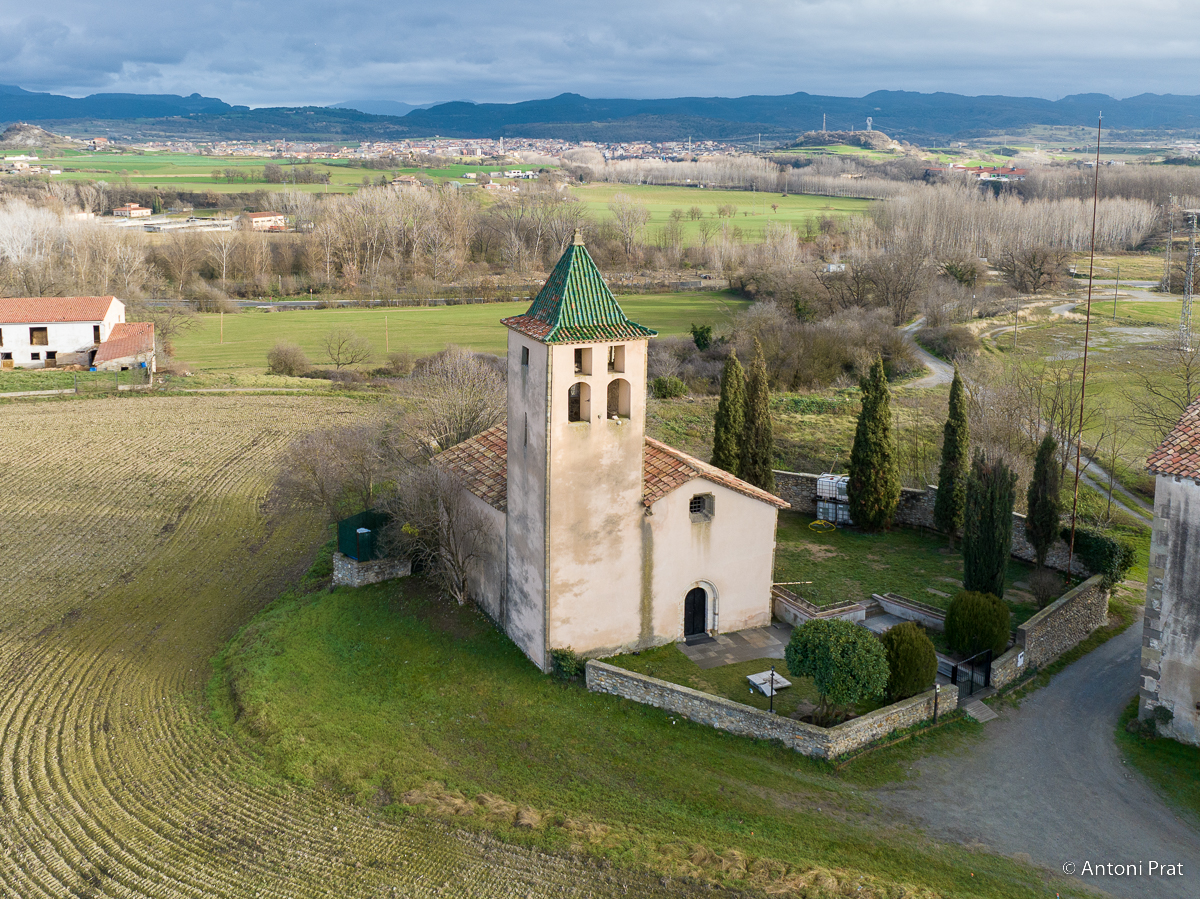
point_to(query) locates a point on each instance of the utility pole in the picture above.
(1189, 279)
(1116, 287)
(1166, 278)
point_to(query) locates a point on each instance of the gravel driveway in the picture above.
(1046, 779)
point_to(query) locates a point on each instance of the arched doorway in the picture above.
(695, 612)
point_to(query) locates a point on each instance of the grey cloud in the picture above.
(266, 52)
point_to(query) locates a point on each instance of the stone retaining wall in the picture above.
(807, 739)
(349, 573)
(1064, 623)
(916, 511)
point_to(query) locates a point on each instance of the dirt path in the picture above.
(1047, 780)
(939, 372)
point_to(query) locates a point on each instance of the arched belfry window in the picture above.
(618, 398)
(579, 402)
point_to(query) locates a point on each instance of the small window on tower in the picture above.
(525, 355)
(95, 333)
(583, 361)
(579, 402)
(616, 358)
(700, 507)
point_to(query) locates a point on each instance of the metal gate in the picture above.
(973, 674)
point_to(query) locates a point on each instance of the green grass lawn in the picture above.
(1169, 765)
(22, 379)
(729, 681)
(405, 700)
(847, 565)
(189, 172)
(754, 210)
(419, 330)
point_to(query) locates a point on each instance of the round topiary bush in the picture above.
(912, 661)
(287, 359)
(845, 661)
(977, 621)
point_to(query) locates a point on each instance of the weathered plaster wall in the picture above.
(486, 575)
(595, 492)
(730, 556)
(724, 714)
(349, 573)
(1171, 631)
(916, 511)
(525, 527)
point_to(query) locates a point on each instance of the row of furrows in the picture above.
(115, 783)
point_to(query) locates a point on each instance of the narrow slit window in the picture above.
(95, 333)
(525, 356)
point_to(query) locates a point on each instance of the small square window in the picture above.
(700, 507)
(525, 355)
(35, 356)
(583, 361)
(616, 358)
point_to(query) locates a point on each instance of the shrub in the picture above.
(665, 388)
(846, 662)
(912, 661)
(565, 664)
(949, 343)
(977, 621)
(1104, 555)
(1045, 586)
(287, 359)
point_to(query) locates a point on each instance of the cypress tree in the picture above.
(758, 437)
(730, 420)
(952, 477)
(987, 525)
(874, 484)
(1045, 505)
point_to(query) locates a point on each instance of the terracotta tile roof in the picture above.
(125, 340)
(576, 306)
(1179, 454)
(482, 464)
(45, 310)
(666, 468)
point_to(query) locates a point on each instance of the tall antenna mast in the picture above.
(1189, 279)
(1087, 331)
(1165, 287)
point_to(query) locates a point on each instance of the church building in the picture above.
(601, 539)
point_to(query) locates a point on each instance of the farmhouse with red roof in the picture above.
(43, 332)
(600, 538)
(1171, 631)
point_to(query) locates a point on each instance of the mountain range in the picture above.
(916, 117)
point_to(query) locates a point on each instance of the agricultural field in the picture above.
(139, 536)
(183, 172)
(754, 208)
(415, 329)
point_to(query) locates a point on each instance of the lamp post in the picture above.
(937, 691)
(771, 709)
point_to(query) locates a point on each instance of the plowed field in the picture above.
(133, 542)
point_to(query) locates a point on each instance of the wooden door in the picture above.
(695, 612)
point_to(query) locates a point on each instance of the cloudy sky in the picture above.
(269, 52)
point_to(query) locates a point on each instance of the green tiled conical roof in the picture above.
(576, 306)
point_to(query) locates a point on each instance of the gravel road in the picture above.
(1047, 779)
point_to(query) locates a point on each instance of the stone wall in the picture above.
(911, 610)
(1064, 623)
(916, 511)
(349, 573)
(808, 739)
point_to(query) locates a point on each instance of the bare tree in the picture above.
(1033, 269)
(1161, 386)
(459, 395)
(344, 347)
(629, 218)
(436, 523)
(337, 470)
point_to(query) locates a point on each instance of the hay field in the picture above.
(134, 544)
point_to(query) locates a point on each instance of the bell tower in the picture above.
(576, 437)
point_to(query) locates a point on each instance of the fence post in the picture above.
(76, 383)
(117, 381)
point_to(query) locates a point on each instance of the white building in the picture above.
(601, 539)
(1170, 675)
(36, 331)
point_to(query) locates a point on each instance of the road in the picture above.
(939, 372)
(1047, 779)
